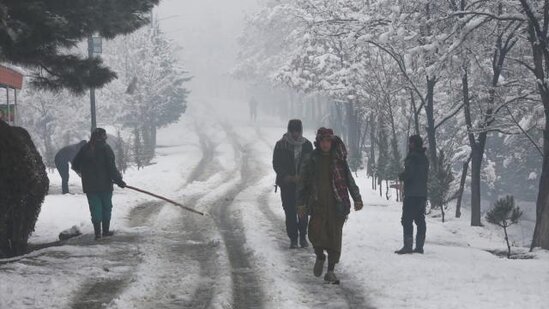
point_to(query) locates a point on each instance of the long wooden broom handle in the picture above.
(165, 199)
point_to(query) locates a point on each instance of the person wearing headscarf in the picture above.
(326, 182)
(95, 163)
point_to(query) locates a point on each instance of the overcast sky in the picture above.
(207, 32)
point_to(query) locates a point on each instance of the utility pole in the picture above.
(94, 47)
(92, 90)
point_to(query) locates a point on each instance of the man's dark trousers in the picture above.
(63, 169)
(295, 225)
(413, 210)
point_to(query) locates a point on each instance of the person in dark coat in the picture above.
(95, 163)
(62, 159)
(415, 177)
(287, 158)
(326, 182)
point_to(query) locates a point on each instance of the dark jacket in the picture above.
(416, 174)
(67, 154)
(283, 159)
(342, 180)
(97, 168)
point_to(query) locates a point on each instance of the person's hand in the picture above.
(358, 205)
(302, 211)
(121, 184)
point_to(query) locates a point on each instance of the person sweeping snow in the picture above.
(95, 163)
(323, 193)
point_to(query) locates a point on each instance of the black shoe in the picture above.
(106, 229)
(330, 277)
(420, 241)
(303, 242)
(97, 230)
(319, 267)
(407, 248)
(293, 245)
(404, 250)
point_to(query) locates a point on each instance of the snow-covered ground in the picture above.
(237, 256)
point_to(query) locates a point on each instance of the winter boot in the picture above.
(303, 241)
(293, 244)
(319, 267)
(408, 246)
(420, 241)
(330, 277)
(97, 230)
(106, 229)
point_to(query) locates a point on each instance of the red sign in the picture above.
(10, 78)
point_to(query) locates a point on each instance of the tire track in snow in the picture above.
(189, 243)
(247, 289)
(200, 248)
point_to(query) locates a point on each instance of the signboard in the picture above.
(10, 78)
(97, 45)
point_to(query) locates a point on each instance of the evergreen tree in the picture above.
(504, 214)
(150, 92)
(42, 34)
(440, 182)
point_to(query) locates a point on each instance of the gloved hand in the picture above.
(302, 210)
(358, 205)
(121, 184)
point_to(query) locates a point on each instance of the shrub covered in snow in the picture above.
(23, 186)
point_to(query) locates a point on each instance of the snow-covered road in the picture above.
(237, 256)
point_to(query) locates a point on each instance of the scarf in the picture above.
(339, 173)
(297, 146)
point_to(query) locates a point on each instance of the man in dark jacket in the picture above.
(287, 158)
(62, 159)
(95, 163)
(415, 176)
(326, 182)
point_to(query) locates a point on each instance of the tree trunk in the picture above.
(540, 62)
(442, 213)
(416, 114)
(431, 130)
(380, 183)
(477, 154)
(464, 172)
(541, 231)
(153, 136)
(476, 163)
(387, 189)
(352, 131)
(507, 241)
